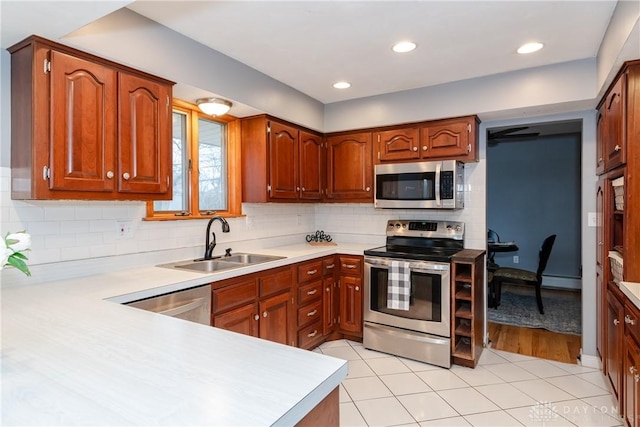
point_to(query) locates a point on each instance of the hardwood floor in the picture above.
(535, 342)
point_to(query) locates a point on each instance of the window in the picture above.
(205, 169)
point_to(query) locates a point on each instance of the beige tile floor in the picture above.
(505, 389)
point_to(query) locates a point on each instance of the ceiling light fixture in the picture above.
(530, 47)
(214, 106)
(342, 85)
(403, 47)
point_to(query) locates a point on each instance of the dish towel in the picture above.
(399, 285)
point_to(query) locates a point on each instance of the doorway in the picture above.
(533, 191)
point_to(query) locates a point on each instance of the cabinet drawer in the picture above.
(632, 320)
(309, 271)
(276, 282)
(309, 336)
(329, 266)
(310, 292)
(234, 295)
(309, 313)
(350, 265)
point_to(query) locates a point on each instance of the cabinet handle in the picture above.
(312, 292)
(330, 266)
(632, 369)
(312, 334)
(256, 317)
(600, 160)
(357, 288)
(616, 322)
(617, 148)
(126, 176)
(328, 289)
(311, 272)
(415, 148)
(599, 243)
(265, 314)
(636, 377)
(349, 266)
(424, 148)
(110, 174)
(629, 320)
(312, 313)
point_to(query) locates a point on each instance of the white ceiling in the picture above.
(310, 44)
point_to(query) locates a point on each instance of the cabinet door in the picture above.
(274, 318)
(311, 166)
(83, 124)
(398, 144)
(351, 304)
(614, 336)
(329, 315)
(631, 380)
(243, 320)
(144, 145)
(600, 139)
(446, 139)
(349, 167)
(283, 161)
(615, 121)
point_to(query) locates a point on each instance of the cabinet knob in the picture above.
(629, 320)
(328, 289)
(357, 288)
(600, 160)
(256, 317)
(415, 148)
(368, 189)
(110, 174)
(616, 322)
(303, 189)
(265, 314)
(632, 369)
(126, 176)
(297, 188)
(617, 148)
(636, 377)
(424, 148)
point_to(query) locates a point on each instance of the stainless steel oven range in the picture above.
(407, 304)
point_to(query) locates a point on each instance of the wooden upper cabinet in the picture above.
(397, 144)
(451, 139)
(600, 139)
(83, 124)
(455, 139)
(614, 116)
(283, 161)
(311, 166)
(87, 128)
(280, 162)
(145, 126)
(350, 167)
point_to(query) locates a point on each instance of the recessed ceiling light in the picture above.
(342, 85)
(402, 47)
(530, 47)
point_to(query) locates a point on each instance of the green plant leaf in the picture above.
(19, 264)
(19, 255)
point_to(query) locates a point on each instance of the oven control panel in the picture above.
(426, 228)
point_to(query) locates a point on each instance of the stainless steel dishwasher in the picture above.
(192, 304)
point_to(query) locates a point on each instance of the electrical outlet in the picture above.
(592, 219)
(516, 259)
(124, 229)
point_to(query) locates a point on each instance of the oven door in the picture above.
(429, 303)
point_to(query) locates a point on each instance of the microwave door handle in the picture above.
(437, 183)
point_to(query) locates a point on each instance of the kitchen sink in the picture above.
(222, 263)
(250, 258)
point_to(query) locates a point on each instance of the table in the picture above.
(493, 247)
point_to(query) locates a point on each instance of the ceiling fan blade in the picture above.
(503, 132)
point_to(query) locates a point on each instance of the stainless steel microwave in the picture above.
(420, 185)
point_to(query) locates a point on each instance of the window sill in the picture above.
(189, 217)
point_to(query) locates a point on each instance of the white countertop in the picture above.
(72, 355)
(632, 291)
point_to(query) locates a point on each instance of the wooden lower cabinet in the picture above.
(350, 285)
(614, 336)
(274, 318)
(326, 413)
(243, 320)
(631, 390)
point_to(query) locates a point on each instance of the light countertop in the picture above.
(71, 354)
(632, 291)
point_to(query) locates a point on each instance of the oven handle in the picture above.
(414, 336)
(422, 266)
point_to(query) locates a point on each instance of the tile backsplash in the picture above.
(73, 238)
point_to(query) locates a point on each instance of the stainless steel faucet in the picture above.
(209, 246)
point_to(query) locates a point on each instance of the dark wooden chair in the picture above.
(519, 276)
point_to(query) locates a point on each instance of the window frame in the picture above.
(233, 166)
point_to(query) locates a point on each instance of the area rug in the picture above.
(562, 310)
